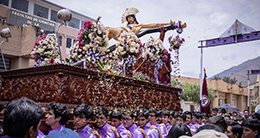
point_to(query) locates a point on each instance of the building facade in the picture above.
(18, 15)
(225, 93)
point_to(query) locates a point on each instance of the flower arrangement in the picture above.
(45, 50)
(128, 44)
(92, 42)
(154, 50)
(175, 42)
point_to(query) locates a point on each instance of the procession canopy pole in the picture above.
(248, 91)
(201, 74)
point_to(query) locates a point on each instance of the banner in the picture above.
(205, 101)
(255, 71)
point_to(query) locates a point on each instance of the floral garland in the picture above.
(175, 42)
(154, 50)
(45, 50)
(128, 44)
(92, 42)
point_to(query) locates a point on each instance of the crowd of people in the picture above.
(22, 119)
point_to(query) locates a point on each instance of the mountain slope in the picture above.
(240, 71)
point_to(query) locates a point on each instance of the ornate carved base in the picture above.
(73, 85)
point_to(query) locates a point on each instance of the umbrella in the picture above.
(228, 107)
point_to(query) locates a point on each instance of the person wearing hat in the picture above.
(133, 25)
(128, 122)
(116, 118)
(82, 116)
(103, 127)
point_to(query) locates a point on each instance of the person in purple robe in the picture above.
(57, 116)
(193, 124)
(104, 129)
(22, 119)
(116, 119)
(164, 117)
(82, 116)
(171, 118)
(153, 117)
(142, 122)
(128, 122)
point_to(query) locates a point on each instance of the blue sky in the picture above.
(205, 19)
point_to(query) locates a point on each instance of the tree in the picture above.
(217, 77)
(191, 92)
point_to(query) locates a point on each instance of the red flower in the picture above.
(52, 60)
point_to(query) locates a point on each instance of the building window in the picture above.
(244, 102)
(74, 23)
(20, 5)
(40, 11)
(54, 16)
(69, 43)
(234, 100)
(82, 23)
(7, 63)
(4, 2)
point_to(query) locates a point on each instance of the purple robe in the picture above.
(121, 131)
(193, 128)
(168, 126)
(57, 129)
(84, 133)
(155, 124)
(40, 134)
(105, 132)
(162, 128)
(151, 133)
(135, 132)
(7, 137)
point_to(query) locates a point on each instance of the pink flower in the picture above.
(170, 49)
(183, 39)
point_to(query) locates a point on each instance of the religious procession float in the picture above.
(129, 74)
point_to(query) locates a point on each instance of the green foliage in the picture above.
(191, 92)
(230, 80)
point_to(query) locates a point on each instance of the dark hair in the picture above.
(116, 114)
(102, 111)
(133, 17)
(164, 113)
(143, 112)
(179, 129)
(236, 128)
(239, 118)
(227, 116)
(183, 116)
(61, 110)
(209, 126)
(188, 113)
(129, 112)
(253, 124)
(256, 116)
(198, 115)
(20, 115)
(215, 109)
(154, 110)
(172, 113)
(83, 109)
